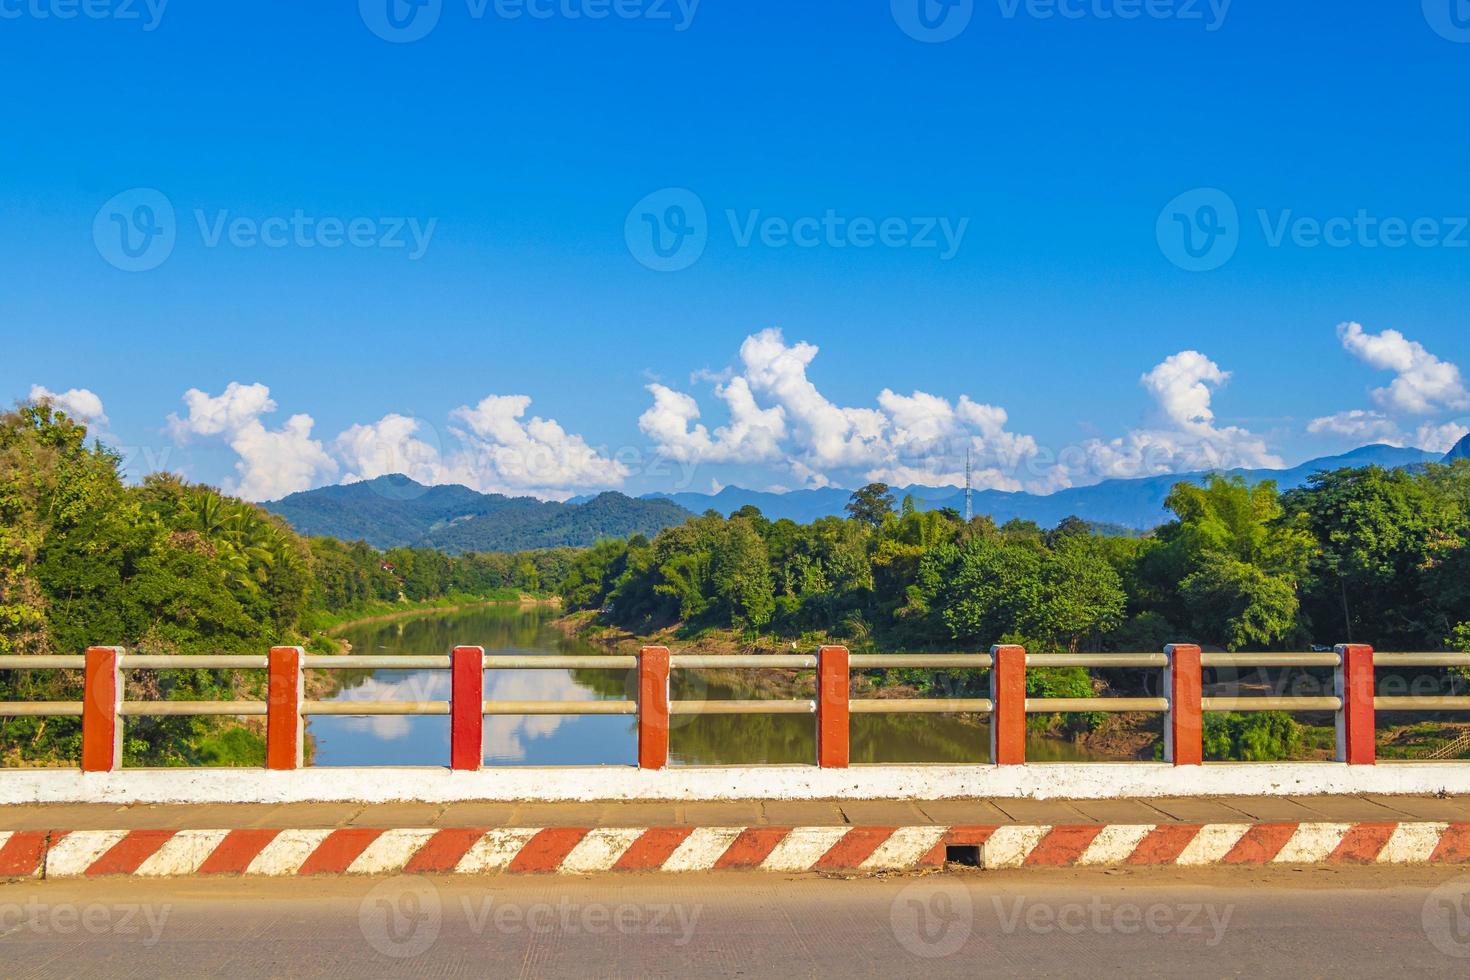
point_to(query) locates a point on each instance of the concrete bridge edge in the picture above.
(1076, 781)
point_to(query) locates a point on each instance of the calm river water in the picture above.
(590, 739)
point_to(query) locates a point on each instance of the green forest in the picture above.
(1367, 555)
(166, 567)
(172, 568)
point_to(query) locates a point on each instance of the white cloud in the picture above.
(1440, 438)
(386, 447)
(777, 413)
(1366, 426)
(1424, 383)
(753, 436)
(79, 403)
(498, 451)
(1183, 387)
(272, 463)
(1359, 424)
(923, 438)
(502, 453)
(830, 436)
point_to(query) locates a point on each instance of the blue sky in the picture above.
(502, 168)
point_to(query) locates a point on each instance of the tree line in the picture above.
(1369, 555)
(168, 567)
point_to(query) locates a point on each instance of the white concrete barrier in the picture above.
(1080, 781)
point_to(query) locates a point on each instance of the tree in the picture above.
(1390, 563)
(1081, 595)
(871, 504)
(1238, 604)
(741, 576)
(1230, 568)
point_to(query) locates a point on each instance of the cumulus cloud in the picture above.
(1359, 424)
(536, 456)
(79, 403)
(387, 447)
(1363, 426)
(1440, 438)
(497, 450)
(777, 413)
(831, 436)
(272, 463)
(1423, 384)
(753, 435)
(1186, 439)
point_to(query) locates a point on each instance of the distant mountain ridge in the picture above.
(395, 511)
(1137, 504)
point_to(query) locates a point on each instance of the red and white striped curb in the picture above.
(580, 850)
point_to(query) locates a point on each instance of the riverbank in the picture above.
(387, 612)
(1130, 735)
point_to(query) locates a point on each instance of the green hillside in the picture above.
(396, 512)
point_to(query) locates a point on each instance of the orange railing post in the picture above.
(284, 727)
(832, 708)
(1355, 720)
(1184, 736)
(1008, 706)
(467, 708)
(653, 708)
(102, 734)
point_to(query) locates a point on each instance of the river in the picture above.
(591, 739)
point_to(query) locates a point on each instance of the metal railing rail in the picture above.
(1353, 702)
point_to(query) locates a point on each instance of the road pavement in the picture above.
(1343, 921)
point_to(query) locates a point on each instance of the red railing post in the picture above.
(1354, 683)
(284, 727)
(1008, 706)
(1184, 734)
(102, 733)
(466, 708)
(832, 707)
(653, 708)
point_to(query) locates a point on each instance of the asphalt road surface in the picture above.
(1337, 922)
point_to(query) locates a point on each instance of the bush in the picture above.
(1268, 736)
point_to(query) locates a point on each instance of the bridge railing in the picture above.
(1354, 700)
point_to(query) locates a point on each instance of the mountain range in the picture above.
(1137, 504)
(394, 511)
